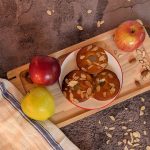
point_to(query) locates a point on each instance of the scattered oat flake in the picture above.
(142, 99)
(112, 128)
(109, 135)
(144, 122)
(107, 142)
(53, 11)
(119, 143)
(143, 108)
(130, 120)
(49, 12)
(80, 28)
(124, 127)
(125, 148)
(147, 147)
(106, 128)
(145, 133)
(141, 113)
(129, 130)
(126, 108)
(89, 11)
(129, 0)
(112, 118)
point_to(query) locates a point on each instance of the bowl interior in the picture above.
(70, 64)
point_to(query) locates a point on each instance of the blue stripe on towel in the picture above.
(12, 100)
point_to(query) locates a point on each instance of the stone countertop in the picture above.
(32, 27)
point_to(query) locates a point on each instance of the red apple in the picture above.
(129, 35)
(44, 70)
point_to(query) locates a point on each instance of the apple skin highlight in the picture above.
(129, 36)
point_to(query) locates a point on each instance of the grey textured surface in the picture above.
(27, 30)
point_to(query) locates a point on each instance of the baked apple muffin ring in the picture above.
(77, 86)
(92, 59)
(107, 85)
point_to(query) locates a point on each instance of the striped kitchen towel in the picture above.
(18, 132)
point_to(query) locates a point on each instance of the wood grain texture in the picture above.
(67, 113)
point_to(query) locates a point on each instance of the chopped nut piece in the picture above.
(129, 143)
(83, 69)
(141, 113)
(95, 49)
(89, 62)
(89, 47)
(143, 108)
(49, 12)
(112, 90)
(126, 108)
(98, 24)
(89, 11)
(145, 133)
(126, 133)
(136, 134)
(125, 148)
(102, 58)
(82, 57)
(106, 128)
(98, 88)
(131, 135)
(136, 145)
(72, 83)
(99, 122)
(109, 135)
(112, 84)
(90, 67)
(130, 120)
(129, 130)
(144, 122)
(120, 55)
(142, 99)
(89, 91)
(107, 142)
(83, 76)
(124, 141)
(112, 128)
(104, 94)
(124, 127)
(136, 140)
(71, 96)
(110, 75)
(112, 118)
(79, 92)
(79, 27)
(102, 22)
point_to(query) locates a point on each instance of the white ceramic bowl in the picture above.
(70, 64)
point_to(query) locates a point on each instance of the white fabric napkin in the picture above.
(18, 132)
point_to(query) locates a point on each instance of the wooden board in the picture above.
(66, 112)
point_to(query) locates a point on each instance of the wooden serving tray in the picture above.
(133, 82)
